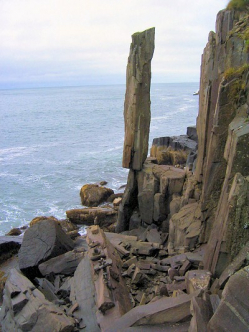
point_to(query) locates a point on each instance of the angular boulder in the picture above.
(93, 194)
(42, 241)
(26, 309)
(64, 264)
(232, 312)
(137, 99)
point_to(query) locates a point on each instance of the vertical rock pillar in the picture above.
(137, 99)
(137, 118)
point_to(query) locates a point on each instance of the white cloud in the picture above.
(89, 40)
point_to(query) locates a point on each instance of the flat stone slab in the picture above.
(65, 264)
(90, 216)
(83, 293)
(165, 310)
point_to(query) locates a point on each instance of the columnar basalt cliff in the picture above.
(223, 133)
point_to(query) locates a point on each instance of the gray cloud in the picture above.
(61, 42)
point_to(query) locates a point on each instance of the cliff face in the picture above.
(208, 202)
(223, 133)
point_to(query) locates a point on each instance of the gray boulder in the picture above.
(64, 264)
(42, 242)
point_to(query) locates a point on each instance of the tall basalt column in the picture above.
(137, 119)
(137, 99)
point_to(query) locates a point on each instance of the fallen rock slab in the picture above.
(65, 264)
(42, 241)
(90, 216)
(232, 312)
(26, 309)
(164, 310)
(169, 327)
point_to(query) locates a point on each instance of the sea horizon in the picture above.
(86, 85)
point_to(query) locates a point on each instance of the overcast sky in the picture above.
(82, 42)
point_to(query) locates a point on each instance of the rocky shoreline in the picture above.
(171, 252)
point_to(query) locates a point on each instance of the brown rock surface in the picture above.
(89, 216)
(41, 218)
(14, 232)
(137, 99)
(93, 195)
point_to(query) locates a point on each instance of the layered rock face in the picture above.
(223, 132)
(137, 99)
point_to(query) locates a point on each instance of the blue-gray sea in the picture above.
(54, 140)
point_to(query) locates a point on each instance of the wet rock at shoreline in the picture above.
(14, 232)
(42, 241)
(92, 195)
(90, 216)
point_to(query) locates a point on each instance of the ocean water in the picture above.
(54, 140)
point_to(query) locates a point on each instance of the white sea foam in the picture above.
(165, 117)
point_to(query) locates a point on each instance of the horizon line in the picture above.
(85, 85)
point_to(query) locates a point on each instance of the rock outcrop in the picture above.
(223, 129)
(176, 149)
(137, 99)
